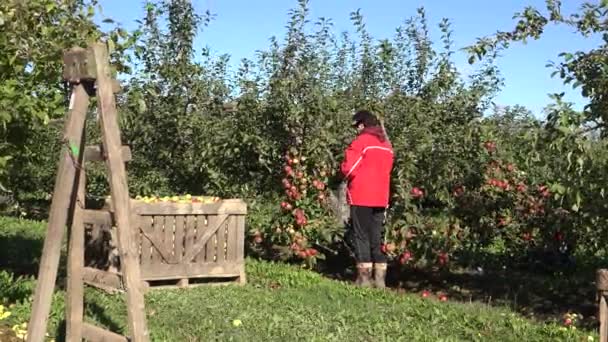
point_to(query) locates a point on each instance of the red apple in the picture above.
(312, 252)
(299, 174)
(287, 206)
(319, 185)
(458, 191)
(521, 187)
(490, 146)
(286, 183)
(502, 222)
(505, 185)
(443, 258)
(510, 167)
(303, 254)
(544, 191)
(416, 192)
(425, 294)
(390, 247)
(405, 257)
(443, 298)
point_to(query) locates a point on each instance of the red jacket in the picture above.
(367, 166)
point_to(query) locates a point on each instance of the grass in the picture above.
(279, 303)
(283, 303)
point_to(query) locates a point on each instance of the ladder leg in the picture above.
(63, 197)
(75, 286)
(120, 197)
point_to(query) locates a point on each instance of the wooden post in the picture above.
(602, 290)
(75, 286)
(120, 196)
(63, 198)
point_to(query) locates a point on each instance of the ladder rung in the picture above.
(107, 281)
(93, 333)
(93, 153)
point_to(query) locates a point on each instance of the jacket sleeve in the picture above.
(352, 159)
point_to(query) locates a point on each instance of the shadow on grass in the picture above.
(21, 256)
(102, 317)
(537, 288)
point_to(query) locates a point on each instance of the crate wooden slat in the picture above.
(145, 223)
(191, 270)
(191, 225)
(201, 227)
(180, 234)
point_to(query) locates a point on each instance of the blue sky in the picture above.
(241, 27)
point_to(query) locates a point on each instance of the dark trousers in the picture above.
(368, 234)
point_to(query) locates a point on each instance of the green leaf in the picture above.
(560, 189)
(111, 46)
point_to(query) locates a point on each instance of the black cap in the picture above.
(366, 118)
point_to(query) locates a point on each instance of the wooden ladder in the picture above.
(88, 73)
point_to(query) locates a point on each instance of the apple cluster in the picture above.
(304, 192)
(178, 199)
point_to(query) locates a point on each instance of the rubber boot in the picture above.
(364, 273)
(380, 276)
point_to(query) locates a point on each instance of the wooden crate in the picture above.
(178, 243)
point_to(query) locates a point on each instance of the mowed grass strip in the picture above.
(283, 303)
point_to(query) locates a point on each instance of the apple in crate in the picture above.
(179, 199)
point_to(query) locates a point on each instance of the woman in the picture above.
(367, 168)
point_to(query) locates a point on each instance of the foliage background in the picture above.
(496, 180)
